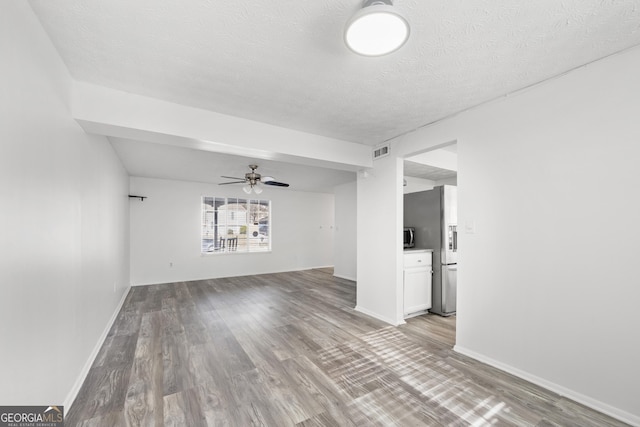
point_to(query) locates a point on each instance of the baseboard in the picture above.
(73, 393)
(379, 317)
(228, 276)
(340, 276)
(592, 403)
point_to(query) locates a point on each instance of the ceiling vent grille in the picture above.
(381, 151)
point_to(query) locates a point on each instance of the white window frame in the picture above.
(232, 231)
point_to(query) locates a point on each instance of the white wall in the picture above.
(443, 159)
(63, 219)
(417, 184)
(346, 238)
(548, 282)
(379, 248)
(166, 228)
(447, 181)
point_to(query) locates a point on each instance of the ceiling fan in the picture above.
(252, 179)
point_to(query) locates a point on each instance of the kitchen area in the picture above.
(430, 234)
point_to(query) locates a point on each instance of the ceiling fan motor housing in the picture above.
(252, 176)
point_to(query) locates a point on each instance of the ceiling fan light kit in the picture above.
(253, 181)
(252, 187)
(377, 29)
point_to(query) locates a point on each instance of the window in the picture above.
(235, 225)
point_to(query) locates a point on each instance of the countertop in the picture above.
(408, 251)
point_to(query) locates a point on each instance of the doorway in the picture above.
(429, 210)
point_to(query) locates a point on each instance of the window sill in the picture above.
(208, 254)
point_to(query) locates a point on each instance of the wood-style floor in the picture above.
(289, 350)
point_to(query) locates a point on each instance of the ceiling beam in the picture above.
(103, 111)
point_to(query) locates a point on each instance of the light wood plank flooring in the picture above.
(289, 350)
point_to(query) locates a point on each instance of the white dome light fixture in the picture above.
(377, 29)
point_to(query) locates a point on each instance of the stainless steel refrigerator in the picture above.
(434, 214)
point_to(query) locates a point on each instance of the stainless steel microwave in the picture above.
(409, 237)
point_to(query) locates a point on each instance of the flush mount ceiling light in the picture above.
(376, 29)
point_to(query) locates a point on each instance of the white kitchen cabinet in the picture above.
(417, 281)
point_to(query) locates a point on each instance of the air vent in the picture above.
(381, 151)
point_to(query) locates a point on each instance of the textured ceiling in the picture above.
(151, 160)
(419, 170)
(284, 62)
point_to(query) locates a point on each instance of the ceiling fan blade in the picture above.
(276, 183)
(232, 177)
(232, 182)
